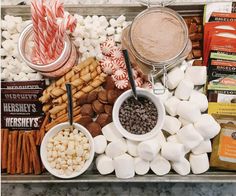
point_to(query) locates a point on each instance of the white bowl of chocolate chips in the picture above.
(138, 120)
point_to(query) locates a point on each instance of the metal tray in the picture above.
(92, 176)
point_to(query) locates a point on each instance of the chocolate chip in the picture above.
(138, 117)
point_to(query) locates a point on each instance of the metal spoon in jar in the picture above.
(130, 74)
(70, 105)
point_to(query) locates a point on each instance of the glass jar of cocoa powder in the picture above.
(157, 40)
(55, 67)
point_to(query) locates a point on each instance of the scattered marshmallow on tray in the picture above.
(104, 164)
(182, 167)
(160, 166)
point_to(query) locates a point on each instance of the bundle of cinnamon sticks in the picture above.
(20, 152)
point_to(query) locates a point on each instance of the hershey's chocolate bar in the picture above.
(22, 122)
(21, 94)
(21, 108)
(33, 84)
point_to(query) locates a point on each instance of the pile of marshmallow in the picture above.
(91, 31)
(13, 68)
(68, 151)
(183, 143)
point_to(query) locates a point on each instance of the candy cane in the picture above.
(60, 38)
(35, 29)
(58, 8)
(71, 23)
(51, 28)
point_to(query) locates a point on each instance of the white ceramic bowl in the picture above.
(52, 132)
(160, 110)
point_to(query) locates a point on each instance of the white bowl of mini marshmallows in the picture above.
(67, 153)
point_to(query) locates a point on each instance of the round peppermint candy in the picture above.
(120, 74)
(121, 84)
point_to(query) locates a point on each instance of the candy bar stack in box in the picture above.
(21, 121)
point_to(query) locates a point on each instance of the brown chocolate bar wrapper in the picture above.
(22, 122)
(34, 84)
(21, 94)
(24, 108)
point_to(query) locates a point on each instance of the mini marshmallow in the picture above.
(141, 166)
(100, 144)
(121, 19)
(116, 148)
(184, 89)
(171, 124)
(117, 37)
(197, 74)
(148, 149)
(188, 111)
(132, 147)
(172, 151)
(199, 163)
(8, 45)
(199, 99)
(207, 126)
(181, 167)
(189, 136)
(124, 166)
(113, 22)
(174, 77)
(104, 164)
(6, 34)
(160, 166)
(203, 147)
(171, 105)
(183, 121)
(111, 133)
(110, 30)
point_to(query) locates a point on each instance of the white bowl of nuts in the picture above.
(65, 152)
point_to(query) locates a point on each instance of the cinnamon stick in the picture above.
(30, 161)
(13, 153)
(34, 153)
(19, 153)
(41, 132)
(4, 147)
(25, 155)
(9, 153)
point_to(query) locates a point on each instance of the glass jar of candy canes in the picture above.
(54, 67)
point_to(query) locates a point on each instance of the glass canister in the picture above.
(58, 67)
(157, 41)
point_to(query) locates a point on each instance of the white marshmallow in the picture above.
(3, 53)
(104, 164)
(121, 19)
(197, 74)
(203, 147)
(174, 139)
(171, 105)
(141, 166)
(207, 126)
(113, 22)
(163, 97)
(148, 149)
(8, 45)
(171, 124)
(132, 147)
(160, 138)
(188, 111)
(6, 34)
(199, 99)
(174, 77)
(189, 136)
(199, 163)
(110, 30)
(181, 167)
(111, 133)
(11, 26)
(172, 151)
(160, 166)
(124, 166)
(183, 121)
(116, 148)
(117, 37)
(184, 89)
(100, 144)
